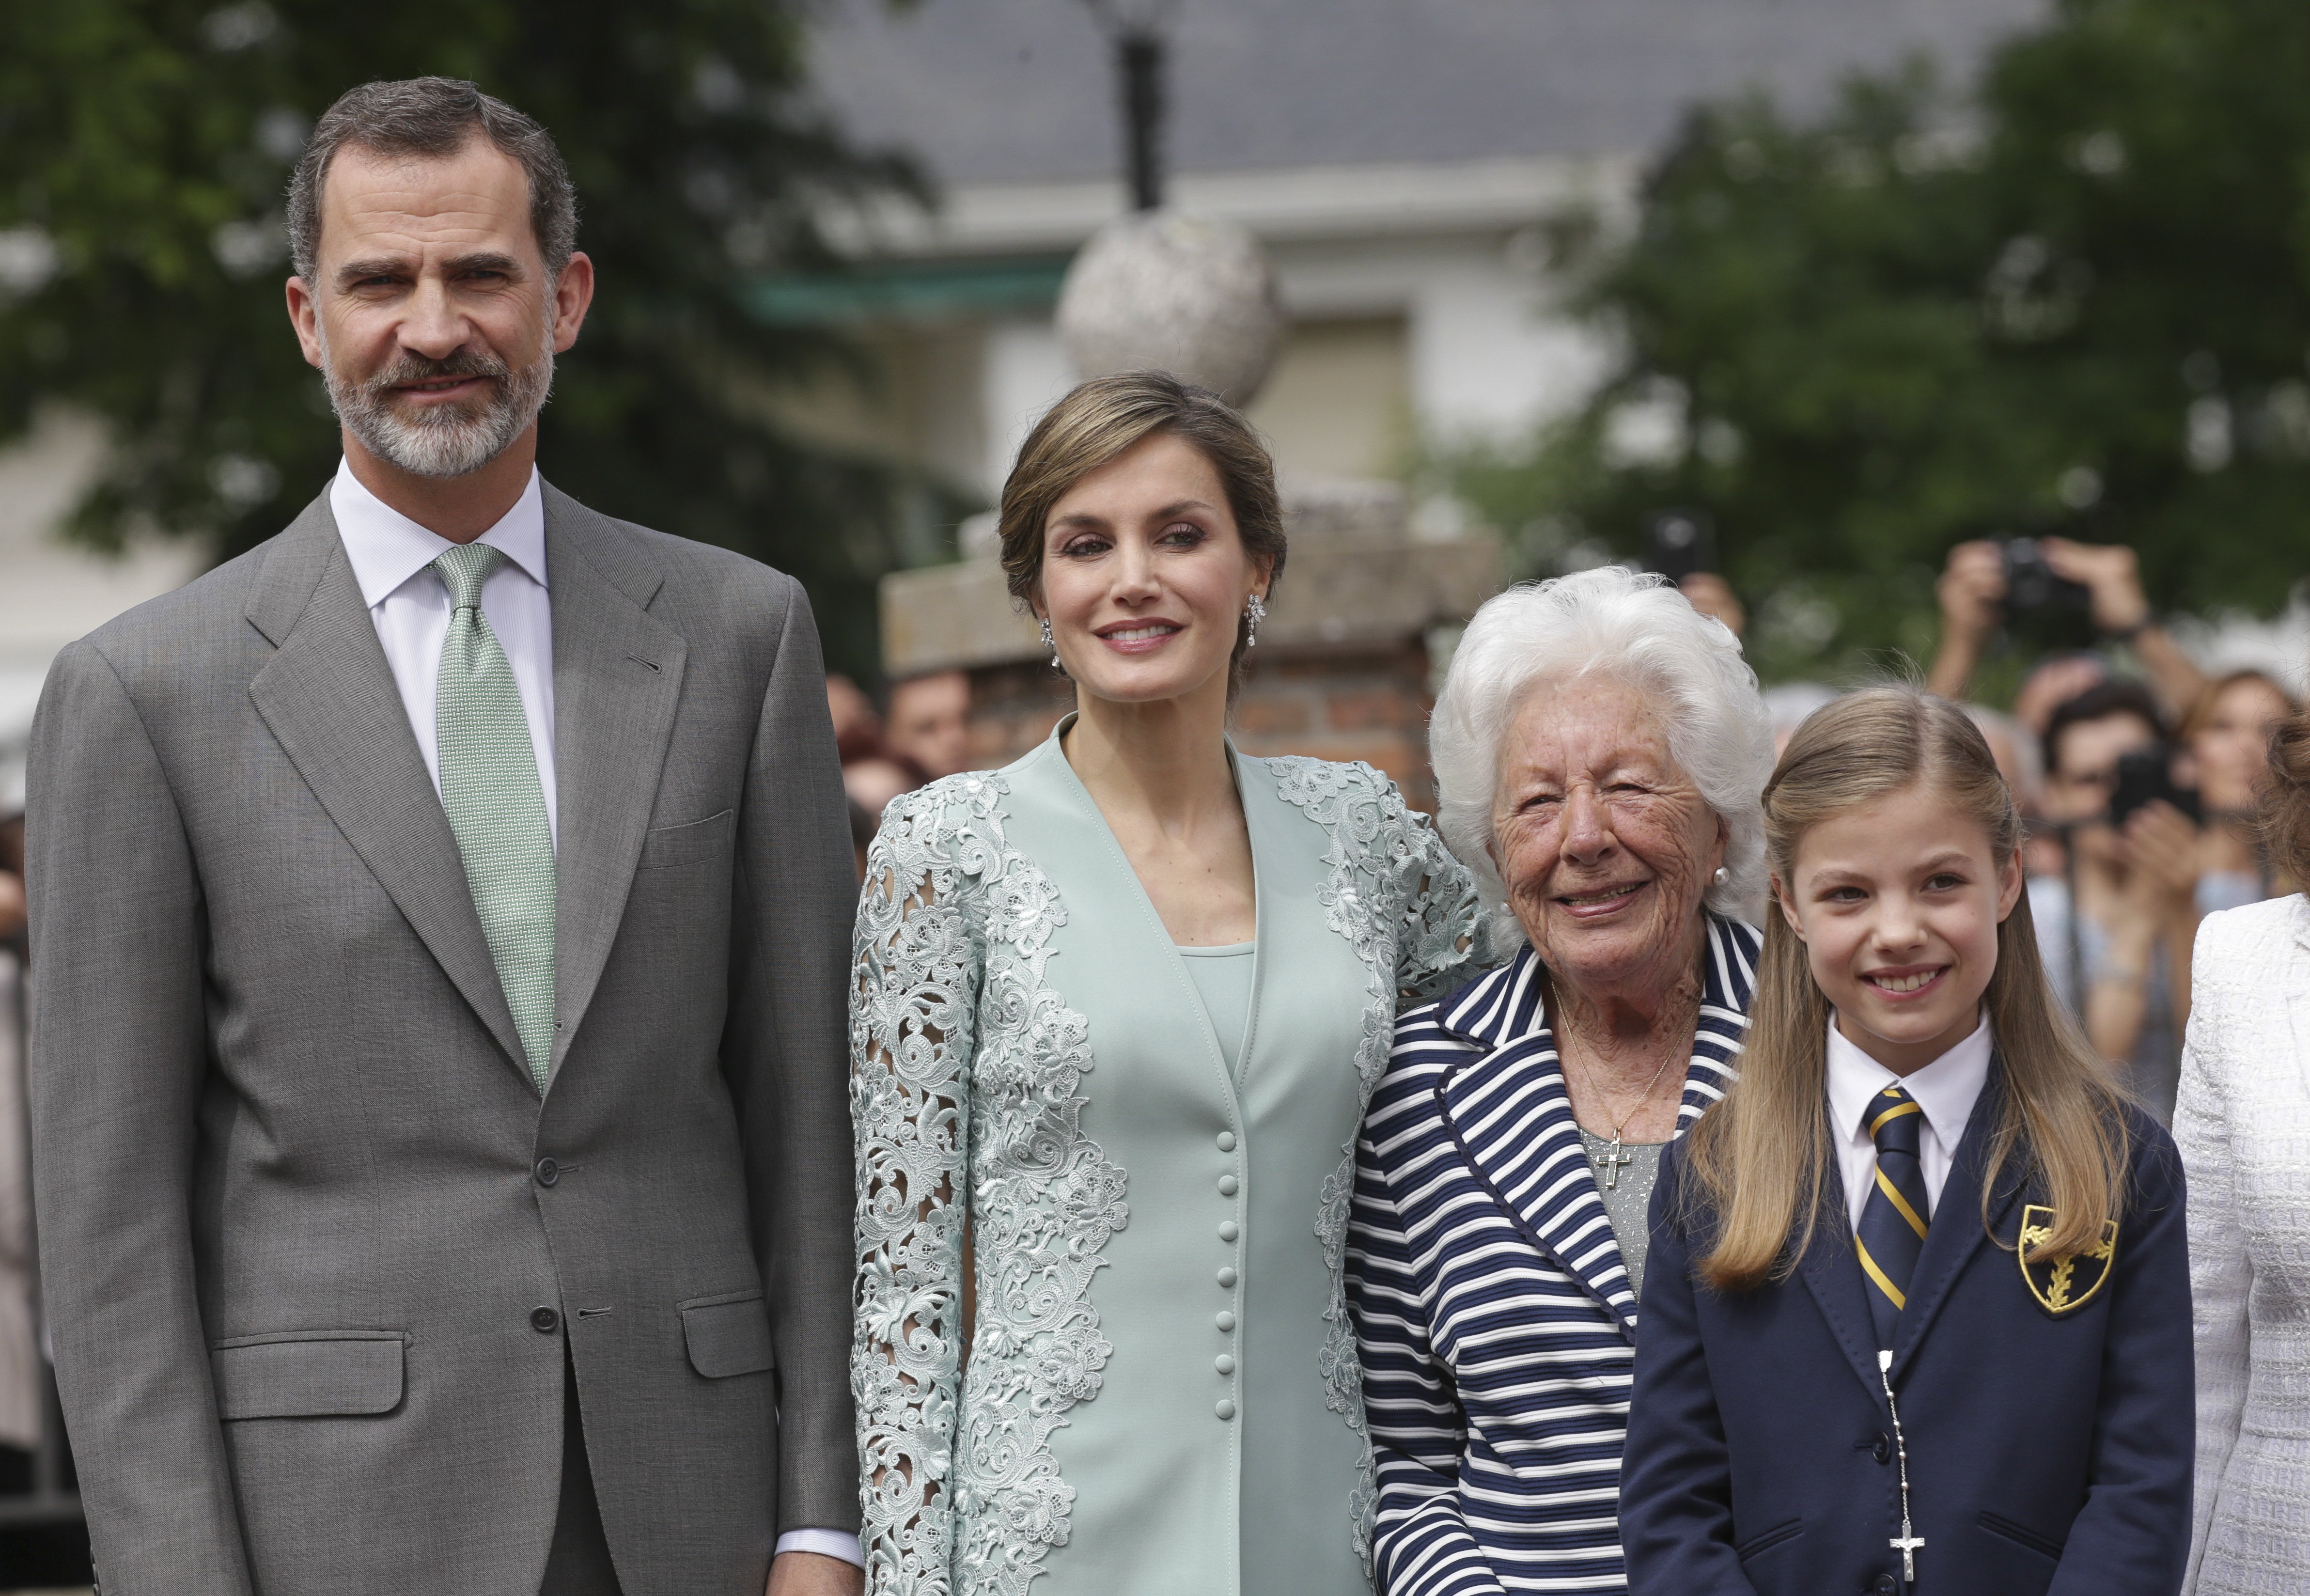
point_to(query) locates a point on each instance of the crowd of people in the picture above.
(2121, 870)
(493, 1132)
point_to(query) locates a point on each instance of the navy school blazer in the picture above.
(2047, 1453)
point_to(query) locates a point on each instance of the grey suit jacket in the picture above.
(309, 1270)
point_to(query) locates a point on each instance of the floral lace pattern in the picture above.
(967, 1101)
(1408, 909)
(967, 1071)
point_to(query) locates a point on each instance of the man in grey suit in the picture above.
(441, 923)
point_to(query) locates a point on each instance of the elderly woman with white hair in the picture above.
(1600, 748)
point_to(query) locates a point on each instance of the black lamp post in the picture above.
(1137, 28)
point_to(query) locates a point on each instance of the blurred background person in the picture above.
(1789, 703)
(929, 723)
(872, 772)
(1972, 594)
(2226, 744)
(869, 783)
(2018, 756)
(1712, 596)
(857, 727)
(2019, 753)
(2051, 682)
(20, 1354)
(2115, 927)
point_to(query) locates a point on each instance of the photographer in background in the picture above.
(2115, 928)
(2104, 579)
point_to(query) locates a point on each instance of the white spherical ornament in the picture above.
(1166, 291)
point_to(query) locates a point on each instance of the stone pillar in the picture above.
(1342, 671)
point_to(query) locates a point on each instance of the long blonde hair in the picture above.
(1763, 1157)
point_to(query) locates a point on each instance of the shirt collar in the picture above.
(386, 547)
(1945, 1089)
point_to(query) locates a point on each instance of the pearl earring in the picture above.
(1724, 876)
(1255, 612)
(1050, 642)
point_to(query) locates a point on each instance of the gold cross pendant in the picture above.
(1611, 1161)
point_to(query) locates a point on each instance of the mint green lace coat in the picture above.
(1161, 1392)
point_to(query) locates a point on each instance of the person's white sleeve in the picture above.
(826, 1543)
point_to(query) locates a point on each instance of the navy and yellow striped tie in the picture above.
(1892, 1230)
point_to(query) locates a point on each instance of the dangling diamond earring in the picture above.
(1255, 611)
(1050, 643)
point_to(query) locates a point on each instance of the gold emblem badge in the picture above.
(2061, 1285)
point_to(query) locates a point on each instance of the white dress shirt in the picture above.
(391, 558)
(1945, 1089)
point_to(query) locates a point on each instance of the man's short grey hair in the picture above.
(434, 119)
(1635, 629)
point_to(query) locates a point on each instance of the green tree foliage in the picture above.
(2074, 300)
(144, 145)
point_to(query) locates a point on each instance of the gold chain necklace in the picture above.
(1615, 1158)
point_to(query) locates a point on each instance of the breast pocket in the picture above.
(313, 1374)
(670, 847)
(728, 1335)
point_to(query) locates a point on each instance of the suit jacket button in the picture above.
(1884, 1584)
(547, 1172)
(544, 1321)
(1881, 1450)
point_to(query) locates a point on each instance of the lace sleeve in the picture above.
(914, 989)
(1435, 939)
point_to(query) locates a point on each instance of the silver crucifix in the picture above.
(1908, 1540)
(1611, 1161)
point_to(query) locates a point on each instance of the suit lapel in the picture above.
(617, 680)
(1956, 1229)
(1508, 1111)
(1831, 1270)
(328, 697)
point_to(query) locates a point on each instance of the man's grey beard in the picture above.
(442, 440)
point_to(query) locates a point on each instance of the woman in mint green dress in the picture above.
(1117, 1008)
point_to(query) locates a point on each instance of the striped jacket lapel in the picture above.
(1508, 1111)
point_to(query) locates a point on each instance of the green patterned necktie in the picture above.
(496, 805)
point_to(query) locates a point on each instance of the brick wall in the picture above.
(1367, 702)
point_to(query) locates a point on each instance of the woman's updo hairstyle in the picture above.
(1103, 419)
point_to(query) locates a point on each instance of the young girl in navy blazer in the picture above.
(1917, 1316)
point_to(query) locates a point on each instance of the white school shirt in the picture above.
(1945, 1089)
(391, 558)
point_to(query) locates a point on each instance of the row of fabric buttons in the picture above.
(1228, 1232)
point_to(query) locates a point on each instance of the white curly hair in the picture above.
(1635, 627)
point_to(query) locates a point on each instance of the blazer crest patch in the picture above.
(2063, 1285)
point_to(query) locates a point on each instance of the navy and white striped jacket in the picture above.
(1492, 1310)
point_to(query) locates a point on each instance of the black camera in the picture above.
(2144, 776)
(2031, 584)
